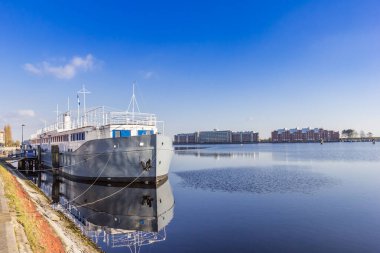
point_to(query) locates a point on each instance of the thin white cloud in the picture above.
(32, 69)
(20, 114)
(66, 71)
(26, 113)
(147, 74)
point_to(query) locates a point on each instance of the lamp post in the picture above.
(22, 135)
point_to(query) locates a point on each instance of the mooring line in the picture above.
(97, 178)
(112, 194)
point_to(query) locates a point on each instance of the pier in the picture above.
(26, 161)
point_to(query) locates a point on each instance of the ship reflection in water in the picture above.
(117, 215)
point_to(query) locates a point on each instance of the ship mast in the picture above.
(133, 102)
(57, 111)
(68, 105)
(84, 91)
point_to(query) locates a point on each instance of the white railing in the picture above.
(102, 116)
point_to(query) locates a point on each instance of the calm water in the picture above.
(250, 198)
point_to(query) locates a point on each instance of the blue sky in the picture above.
(199, 65)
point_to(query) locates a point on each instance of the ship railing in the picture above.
(101, 116)
(137, 238)
(129, 118)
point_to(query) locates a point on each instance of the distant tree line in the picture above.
(8, 140)
(351, 133)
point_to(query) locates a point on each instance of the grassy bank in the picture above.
(40, 235)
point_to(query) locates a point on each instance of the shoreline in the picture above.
(60, 226)
(355, 140)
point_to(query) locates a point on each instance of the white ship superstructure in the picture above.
(98, 123)
(106, 144)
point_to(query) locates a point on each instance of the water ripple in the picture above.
(278, 179)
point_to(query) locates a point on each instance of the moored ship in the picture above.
(106, 145)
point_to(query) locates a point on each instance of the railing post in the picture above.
(103, 114)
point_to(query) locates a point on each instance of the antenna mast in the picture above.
(84, 92)
(133, 102)
(68, 105)
(57, 111)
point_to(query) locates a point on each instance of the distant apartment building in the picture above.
(2, 139)
(245, 137)
(186, 138)
(304, 135)
(216, 137)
